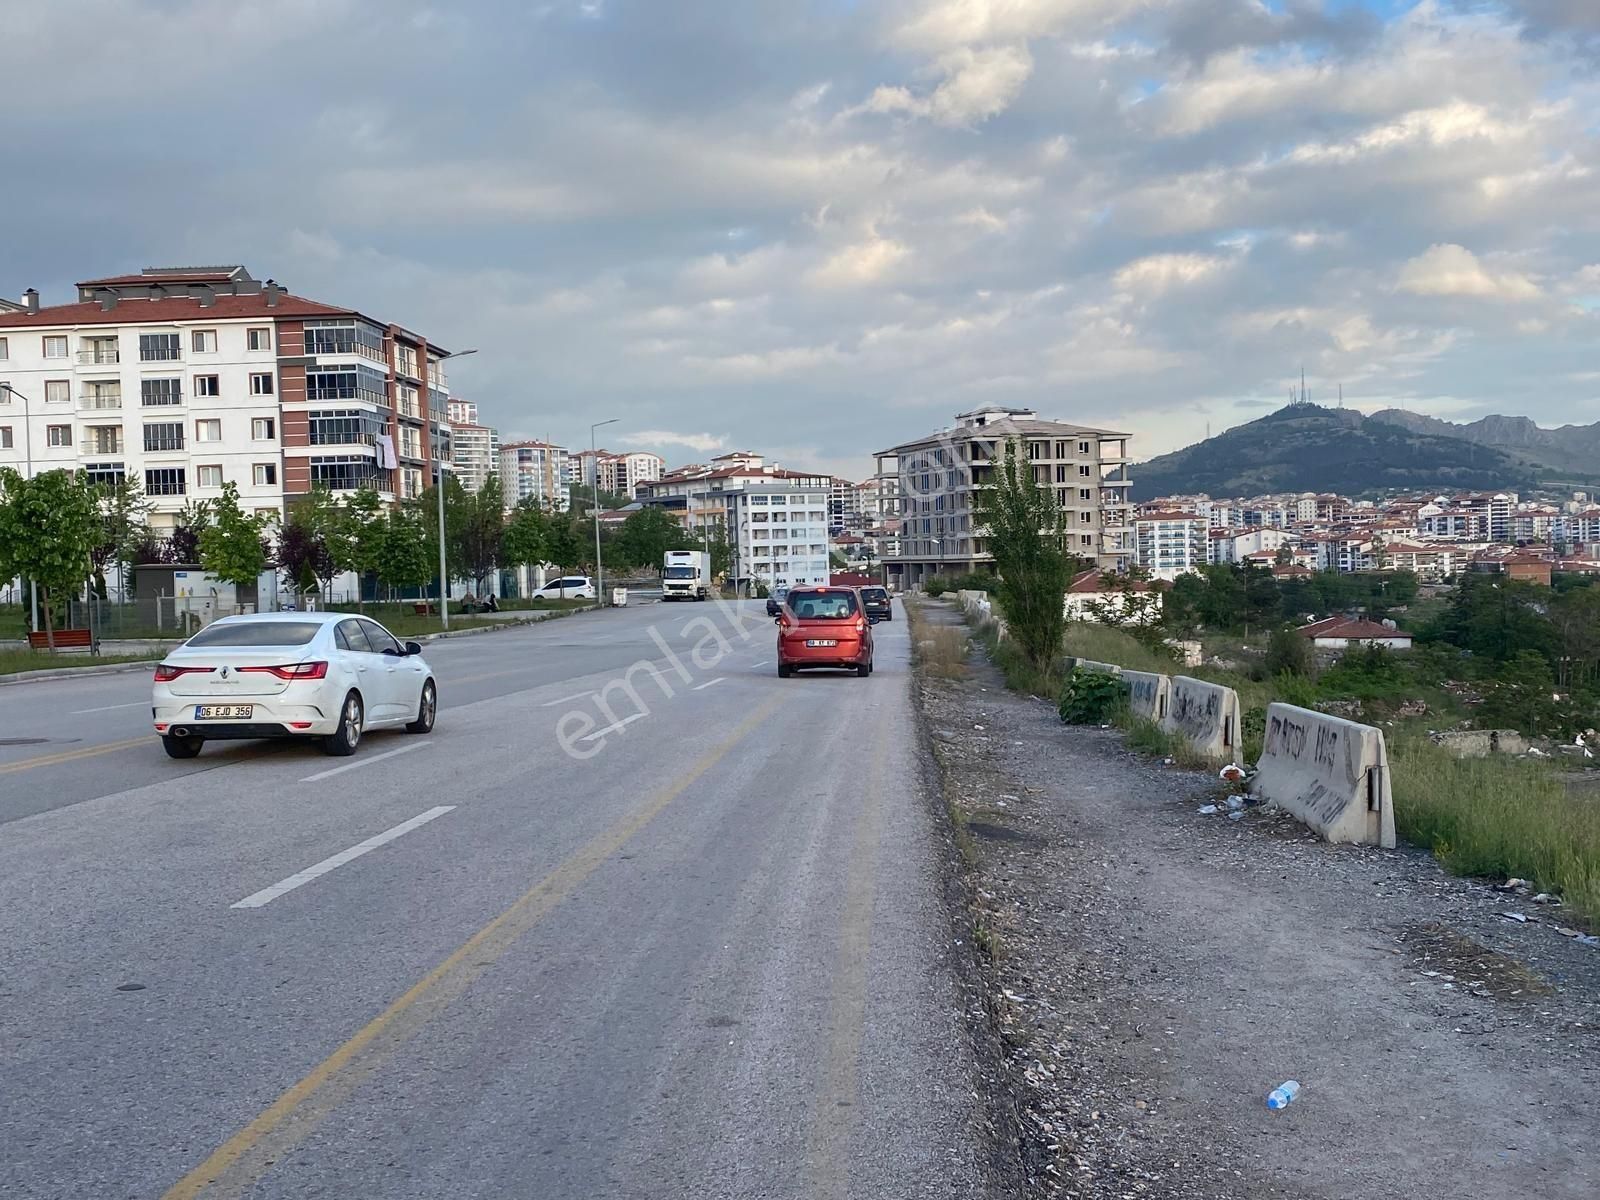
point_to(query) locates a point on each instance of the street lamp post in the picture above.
(594, 510)
(444, 588)
(27, 473)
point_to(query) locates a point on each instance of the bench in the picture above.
(424, 608)
(66, 639)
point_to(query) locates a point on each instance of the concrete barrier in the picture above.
(1148, 694)
(1331, 773)
(1207, 715)
(1089, 664)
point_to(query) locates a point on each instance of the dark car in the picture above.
(875, 600)
(775, 601)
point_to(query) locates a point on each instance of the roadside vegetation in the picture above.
(14, 661)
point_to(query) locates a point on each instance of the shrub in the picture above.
(1090, 697)
(1288, 653)
(935, 585)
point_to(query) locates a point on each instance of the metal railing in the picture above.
(99, 357)
(100, 448)
(99, 401)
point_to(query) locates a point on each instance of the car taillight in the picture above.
(166, 672)
(305, 670)
(861, 625)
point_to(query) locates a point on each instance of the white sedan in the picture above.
(330, 676)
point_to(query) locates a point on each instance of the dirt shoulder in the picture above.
(1159, 971)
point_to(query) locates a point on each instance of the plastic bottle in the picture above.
(1281, 1095)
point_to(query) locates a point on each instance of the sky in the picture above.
(816, 228)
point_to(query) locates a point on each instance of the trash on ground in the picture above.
(1511, 885)
(1236, 816)
(1207, 809)
(1231, 773)
(1520, 918)
(1283, 1095)
(1546, 898)
(1235, 802)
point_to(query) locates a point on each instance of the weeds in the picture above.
(1146, 737)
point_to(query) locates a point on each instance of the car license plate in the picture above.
(223, 712)
(821, 642)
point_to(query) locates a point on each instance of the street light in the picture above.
(594, 509)
(444, 591)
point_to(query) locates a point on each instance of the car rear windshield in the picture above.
(822, 606)
(874, 594)
(257, 633)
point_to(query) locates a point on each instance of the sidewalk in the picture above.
(1157, 972)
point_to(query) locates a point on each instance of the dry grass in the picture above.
(940, 651)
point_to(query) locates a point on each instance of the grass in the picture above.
(403, 621)
(1498, 817)
(942, 651)
(1084, 639)
(12, 661)
(1146, 737)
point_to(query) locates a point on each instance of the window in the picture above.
(406, 362)
(345, 426)
(154, 393)
(266, 474)
(407, 400)
(258, 633)
(1085, 494)
(411, 483)
(348, 383)
(5, 437)
(1083, 447)
(103, 474)
(1086, 518)
(258, 339)
(55, 347)
(5, 350)
(347, 635)
(164, 481)
(348, 336)
(758, 499)
(264, 429)
(58, 435)
(209, 476)
(203, 341)
(1086, 539)
(207, 385)
(158, 347)
(1083, 470)
(346, 473)
(57, 391)
(261, 384)
(410, 442)
(381, 639)
(208, 431)
(168, 435)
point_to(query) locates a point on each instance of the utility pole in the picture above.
(594, 510)
(444, 587)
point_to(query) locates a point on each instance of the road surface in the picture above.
(683, 943)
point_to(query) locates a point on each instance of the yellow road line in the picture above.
(66, 756)
(235, 1166)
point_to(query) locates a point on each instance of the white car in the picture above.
(572, 587)
(323, 675)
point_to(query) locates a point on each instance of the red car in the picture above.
(824, 627)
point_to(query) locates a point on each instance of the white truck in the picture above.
(686, 575)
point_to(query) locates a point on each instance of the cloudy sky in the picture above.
(817, 227)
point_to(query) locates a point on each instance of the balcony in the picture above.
(100, 447)
(109, 357)
(100, 401)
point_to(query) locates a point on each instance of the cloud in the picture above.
(975, 85)
(1450, 270)
(700, 443)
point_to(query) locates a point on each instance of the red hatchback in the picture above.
(824, 627)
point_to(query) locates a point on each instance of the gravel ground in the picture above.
(1155, 972)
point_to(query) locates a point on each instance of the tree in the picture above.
(357, 532)
(837, 560)
(124, 528)
(1288, 653)
(523, 544)
(1575, 614)
(1132, 603)
(647, 535)
(183, 543)
(407, 552)
(712, 537)
(304, 557)
(564, 541)
(475, 526)
(49, 527)
(1521, 696)
(1283, 556)
(1028, 543)
(231, 547)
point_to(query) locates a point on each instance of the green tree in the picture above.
(1288, 653)
(647, 535)
(49, 527)
(1131, 603)
(183, 543)
(565, 541)
(359, 528)
(1575, 616)
(1222, 602)
(305, 555)
(407, 551)
(1521, 696)
(475, 526)
(1027, 541)
(232, 547)
(524, 542)
(124, 528)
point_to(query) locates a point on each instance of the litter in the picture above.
(1207, 809)
(1283, 1095)
(1546, 898)
(1511, 885)
(1236, 816)
(1232, 773)
(1520, 918)
(1235, 802)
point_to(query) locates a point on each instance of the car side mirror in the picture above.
(413, 648)
(777, 620)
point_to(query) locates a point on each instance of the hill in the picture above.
(1568, 454)
(1306, 448)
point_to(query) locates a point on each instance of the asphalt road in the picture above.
(568, 946)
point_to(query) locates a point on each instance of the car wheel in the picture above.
(427, 709)
(181, 747)
(343, 741)
(785, 670)
(864, 670)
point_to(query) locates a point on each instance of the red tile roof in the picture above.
(1350, 628)
(1092, 581)
(170, 310)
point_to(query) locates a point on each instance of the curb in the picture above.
(501, 626)
(50, 673)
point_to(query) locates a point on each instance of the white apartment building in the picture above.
(475, 451)
(620, 474)
(536, 471)
(184, 379)
(780, 534)
(1170, 543)
(936, 477)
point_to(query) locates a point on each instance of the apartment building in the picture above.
(779, 532)
(1170, 543)
(475, 452)
(536, 471)
(186, 378)
(935, 479)
(619, 474)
